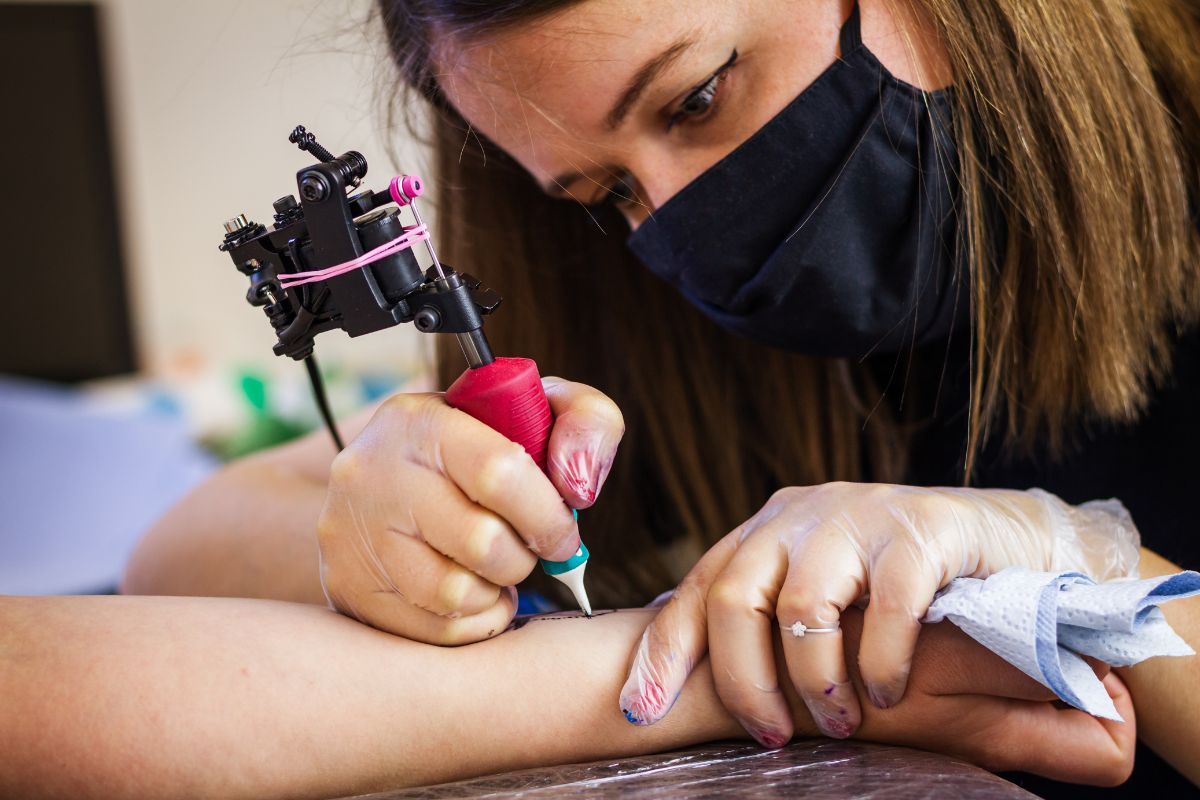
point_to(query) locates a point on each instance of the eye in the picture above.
(701, 99)
(622, 191)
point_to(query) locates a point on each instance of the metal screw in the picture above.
(428, 320)
(314, 188)
(236, 223)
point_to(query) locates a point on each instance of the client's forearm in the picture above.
(1164, 689)
(156, 697)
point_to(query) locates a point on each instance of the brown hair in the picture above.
(1078, 128)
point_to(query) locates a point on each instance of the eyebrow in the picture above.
(642, 79)
(634, 90)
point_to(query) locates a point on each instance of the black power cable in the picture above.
(318, 388)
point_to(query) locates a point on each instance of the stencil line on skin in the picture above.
(521, 622)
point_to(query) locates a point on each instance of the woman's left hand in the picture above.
(811, 552)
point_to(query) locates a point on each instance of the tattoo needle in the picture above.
(570, 574)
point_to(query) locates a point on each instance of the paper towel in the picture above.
(1040, 622)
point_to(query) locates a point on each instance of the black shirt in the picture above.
(1149, 465)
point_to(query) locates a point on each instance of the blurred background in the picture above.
(130, 363)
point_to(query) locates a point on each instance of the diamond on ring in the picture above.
(799, 629)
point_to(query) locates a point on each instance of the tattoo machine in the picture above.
(340, 257)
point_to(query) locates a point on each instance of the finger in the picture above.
(499, 475)
(824, 577)
(741, 619)
(397, 561)
(1099, 667)
(392, 613)
(588, 426)
(673, 643)
(902, 585)
(1123, 734)
(471, 535)
(1057, 743)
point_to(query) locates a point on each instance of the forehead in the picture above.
(548, 84)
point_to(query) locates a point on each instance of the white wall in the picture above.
(203, 95)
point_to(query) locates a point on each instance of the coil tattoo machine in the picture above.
(340, 257)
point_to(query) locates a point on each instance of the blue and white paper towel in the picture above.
(1041, 622)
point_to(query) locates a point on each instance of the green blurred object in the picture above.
(255, 390)
(264, 429)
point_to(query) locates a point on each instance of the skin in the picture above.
(186, 697)
(1162, 688)
(219, 541)
(813, 551)
(541, 93)
(424, 522)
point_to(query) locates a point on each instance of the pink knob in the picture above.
(406, 188)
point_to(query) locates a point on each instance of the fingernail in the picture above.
(771, 741)
(647, 706)
(581, 474)
(564, 553)
(880, 697)
(834, 710)
(599, 475)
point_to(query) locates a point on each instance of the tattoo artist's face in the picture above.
(629, 100)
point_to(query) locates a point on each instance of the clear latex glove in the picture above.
(432, 517)
(812, 551)
(583, 443)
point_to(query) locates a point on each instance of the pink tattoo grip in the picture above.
(507, 396)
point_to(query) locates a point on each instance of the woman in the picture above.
(942, 242)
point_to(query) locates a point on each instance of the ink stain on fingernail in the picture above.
(829, 689)
(835, 728)
(583, 490)
(580, 474)
(655, 697)
(772, 741)
(646, 707)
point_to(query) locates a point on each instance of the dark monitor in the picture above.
(64, 315)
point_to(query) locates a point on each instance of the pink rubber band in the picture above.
(412, 235)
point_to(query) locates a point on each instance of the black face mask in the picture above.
(831, 230)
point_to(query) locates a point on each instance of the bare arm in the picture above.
(157, 697)
(1163, 689)
(134, 697)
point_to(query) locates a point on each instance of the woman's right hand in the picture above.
(432, 517)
